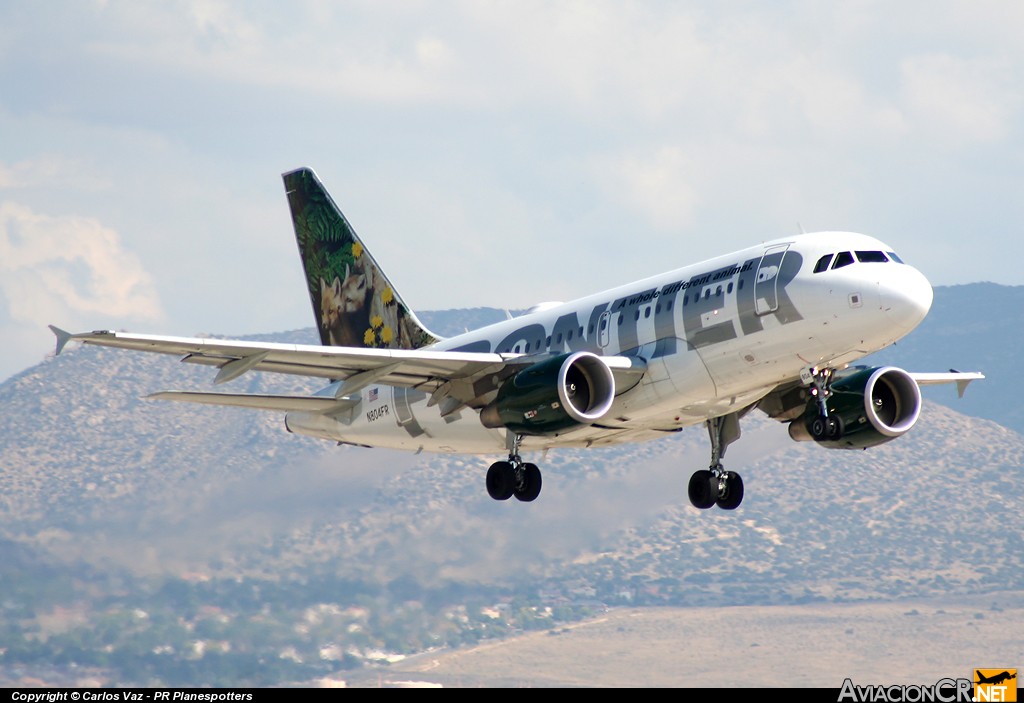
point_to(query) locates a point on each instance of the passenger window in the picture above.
(871, 257)
(843, 258)
(570, 336)
(604, 323)
(718, 293)
(729, 289)
(823, 263)
(647, 312)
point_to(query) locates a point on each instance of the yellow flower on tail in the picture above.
(386, 335)
(369, 337)
(376, 321)
(357, 250)
(387, 297)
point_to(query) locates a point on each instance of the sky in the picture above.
(488, 153)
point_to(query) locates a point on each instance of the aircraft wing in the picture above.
(454, 378)
(960, 378)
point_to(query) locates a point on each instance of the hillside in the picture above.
(899, 642)
(319, 558)
(94, 472)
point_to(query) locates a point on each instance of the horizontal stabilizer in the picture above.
(63, 337)
(286, 403)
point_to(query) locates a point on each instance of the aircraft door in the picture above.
(766, 283)
(604, 329)
(404, 398)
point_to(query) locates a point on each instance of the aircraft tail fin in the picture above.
(354, 302)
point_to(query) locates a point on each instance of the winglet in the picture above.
(63, 337)
(961, 385)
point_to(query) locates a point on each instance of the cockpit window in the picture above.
(823, 262)
(871, 257)
(843, 258)
(892, 255)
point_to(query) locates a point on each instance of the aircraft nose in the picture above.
(906, 296)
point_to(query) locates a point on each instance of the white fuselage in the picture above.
(716, 337)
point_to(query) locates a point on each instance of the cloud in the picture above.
(62, 267)
(960, 101)
(68, 270)
(656, 184)
(348, 53)
(531, 126)
(47, 170)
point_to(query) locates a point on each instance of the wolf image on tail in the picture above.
(343, 309)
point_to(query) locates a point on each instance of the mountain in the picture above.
(164, 543)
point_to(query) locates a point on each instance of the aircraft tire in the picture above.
(703, 489)
(531, 484)
(819, 428)
(835, 427)
(501, 480)
(733, 492)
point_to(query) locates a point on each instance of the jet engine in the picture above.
(553, 396)
(866, 408)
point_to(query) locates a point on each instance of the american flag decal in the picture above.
(371, 395)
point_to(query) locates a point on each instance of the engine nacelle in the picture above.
(871, 406)
(553, 396)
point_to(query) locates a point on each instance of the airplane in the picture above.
(776, 326)
(997, 678)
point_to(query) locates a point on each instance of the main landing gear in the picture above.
(514, 477)
(715, 485)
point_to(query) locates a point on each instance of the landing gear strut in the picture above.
(715, 485)
(514, 477)
(826, 426)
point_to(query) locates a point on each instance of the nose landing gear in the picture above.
(826, 426)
